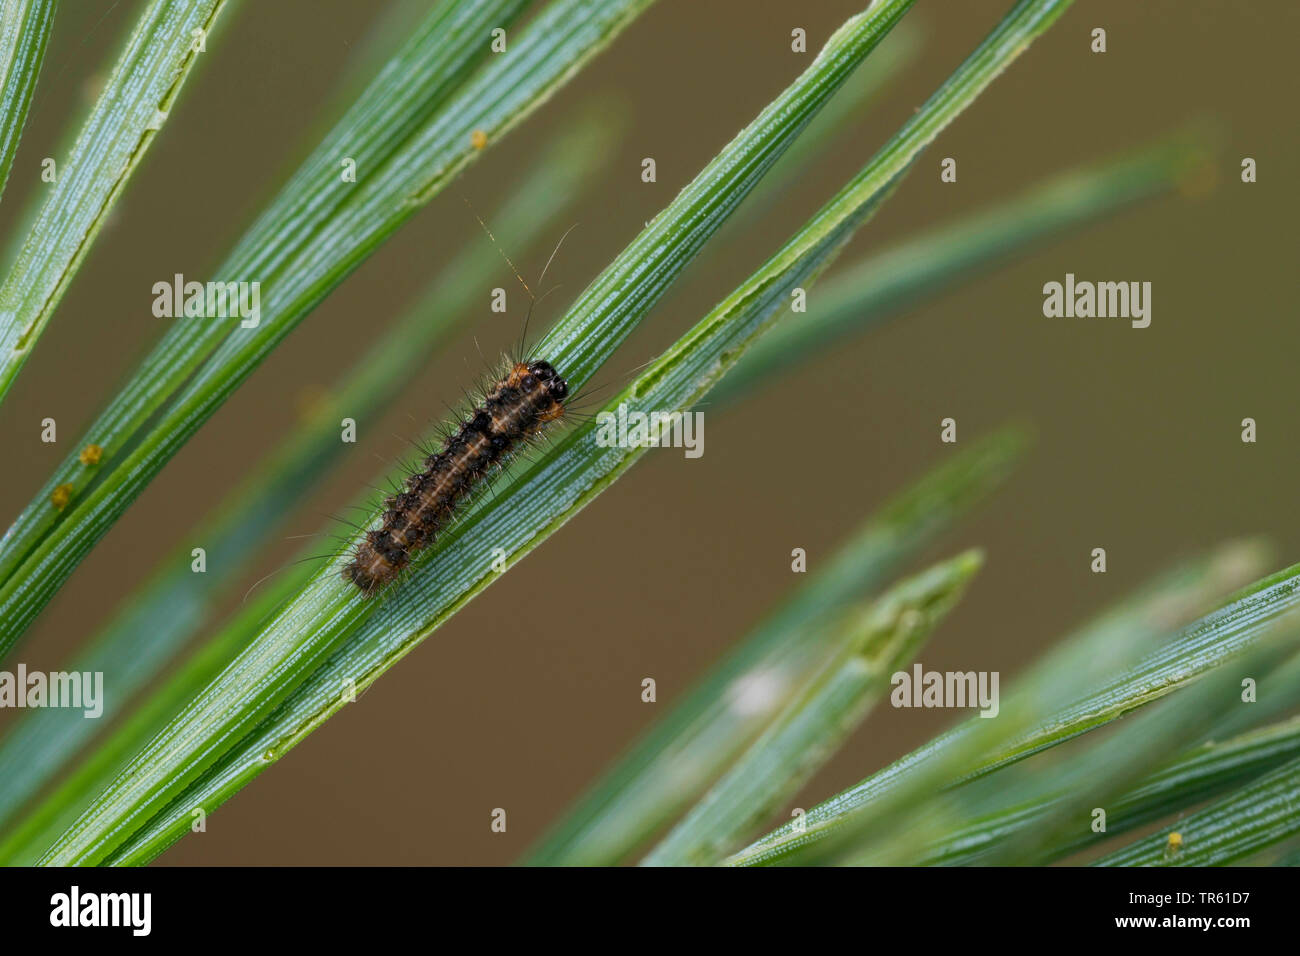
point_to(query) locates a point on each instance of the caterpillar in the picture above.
(514, 411)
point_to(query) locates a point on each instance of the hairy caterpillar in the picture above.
(528, 396)
(514, 410)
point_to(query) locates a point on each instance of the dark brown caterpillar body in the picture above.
(514, 410)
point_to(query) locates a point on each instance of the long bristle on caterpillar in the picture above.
(513, 411)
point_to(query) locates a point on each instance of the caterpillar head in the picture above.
(544, 372)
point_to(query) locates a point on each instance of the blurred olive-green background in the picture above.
(1138, 447)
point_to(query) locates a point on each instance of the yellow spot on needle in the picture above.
(61, 495)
